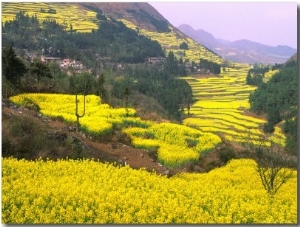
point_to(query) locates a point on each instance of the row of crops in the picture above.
(81, 19)
(87, 191)
(220, 107)
(175, 144)
(171, 42)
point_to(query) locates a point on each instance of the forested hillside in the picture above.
(111, 40)
(101, 51)
(278, 98)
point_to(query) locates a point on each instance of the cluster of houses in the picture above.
(189, 67)
(78, 66)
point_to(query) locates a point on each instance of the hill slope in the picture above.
(141, 17)
(244, 51)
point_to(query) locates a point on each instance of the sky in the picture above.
(270, 23)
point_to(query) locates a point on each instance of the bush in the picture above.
(227, 154)
(22, 138)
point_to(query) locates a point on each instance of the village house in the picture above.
(49, 59)
(69, 63)
(155, 60)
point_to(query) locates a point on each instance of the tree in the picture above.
(101, 89)
(273, 165)
(83, 83)
(171, 64)
(184, 46)
(290, 128)
(39, 70)
(126, 95)
(13, 68)
(271, 170)
(77, 111)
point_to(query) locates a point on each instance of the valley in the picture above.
(154, 128)
(221, 106)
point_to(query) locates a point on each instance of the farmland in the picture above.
(171, 140)
(96, 183)
(81, 20)
(221, 106)
(86, 191)
(171, 41)
(84, 20)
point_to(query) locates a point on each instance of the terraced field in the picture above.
(84, 20)
(171, 41)
(175, 144)
(221, 106)
(81, 19)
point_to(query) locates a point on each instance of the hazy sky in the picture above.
(270, 23)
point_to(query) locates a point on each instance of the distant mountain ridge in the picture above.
(244, 51)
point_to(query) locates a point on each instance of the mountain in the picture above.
(292, 61)
(244, 51)
(141, 14)
(149, 22)
(200, 36)
(88, 18)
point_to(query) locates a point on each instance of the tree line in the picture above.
(278, 99)
(209, 65)
(159, 82)
(256, 75)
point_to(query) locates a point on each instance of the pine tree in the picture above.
(13, 68)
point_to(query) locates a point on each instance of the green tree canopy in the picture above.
(184, 46)
(39, 69)
(13, 68)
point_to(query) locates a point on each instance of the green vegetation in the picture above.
(159, 84)
(175, 144)
(111, 40)
(278, 99)
(211, 66)
(256, 75)
(13, 68)
(221, 106)
(110, 99)
(171, 41)
(68, 15)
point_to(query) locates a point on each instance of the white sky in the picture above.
(270, 23)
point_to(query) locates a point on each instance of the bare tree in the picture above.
(271, 167)
(273, 164)
(77, 112)
(84, 87)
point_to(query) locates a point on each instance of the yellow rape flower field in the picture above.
(175, 144)
(82, 20)
(220, 107)
(87, 191)
(170, 42)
